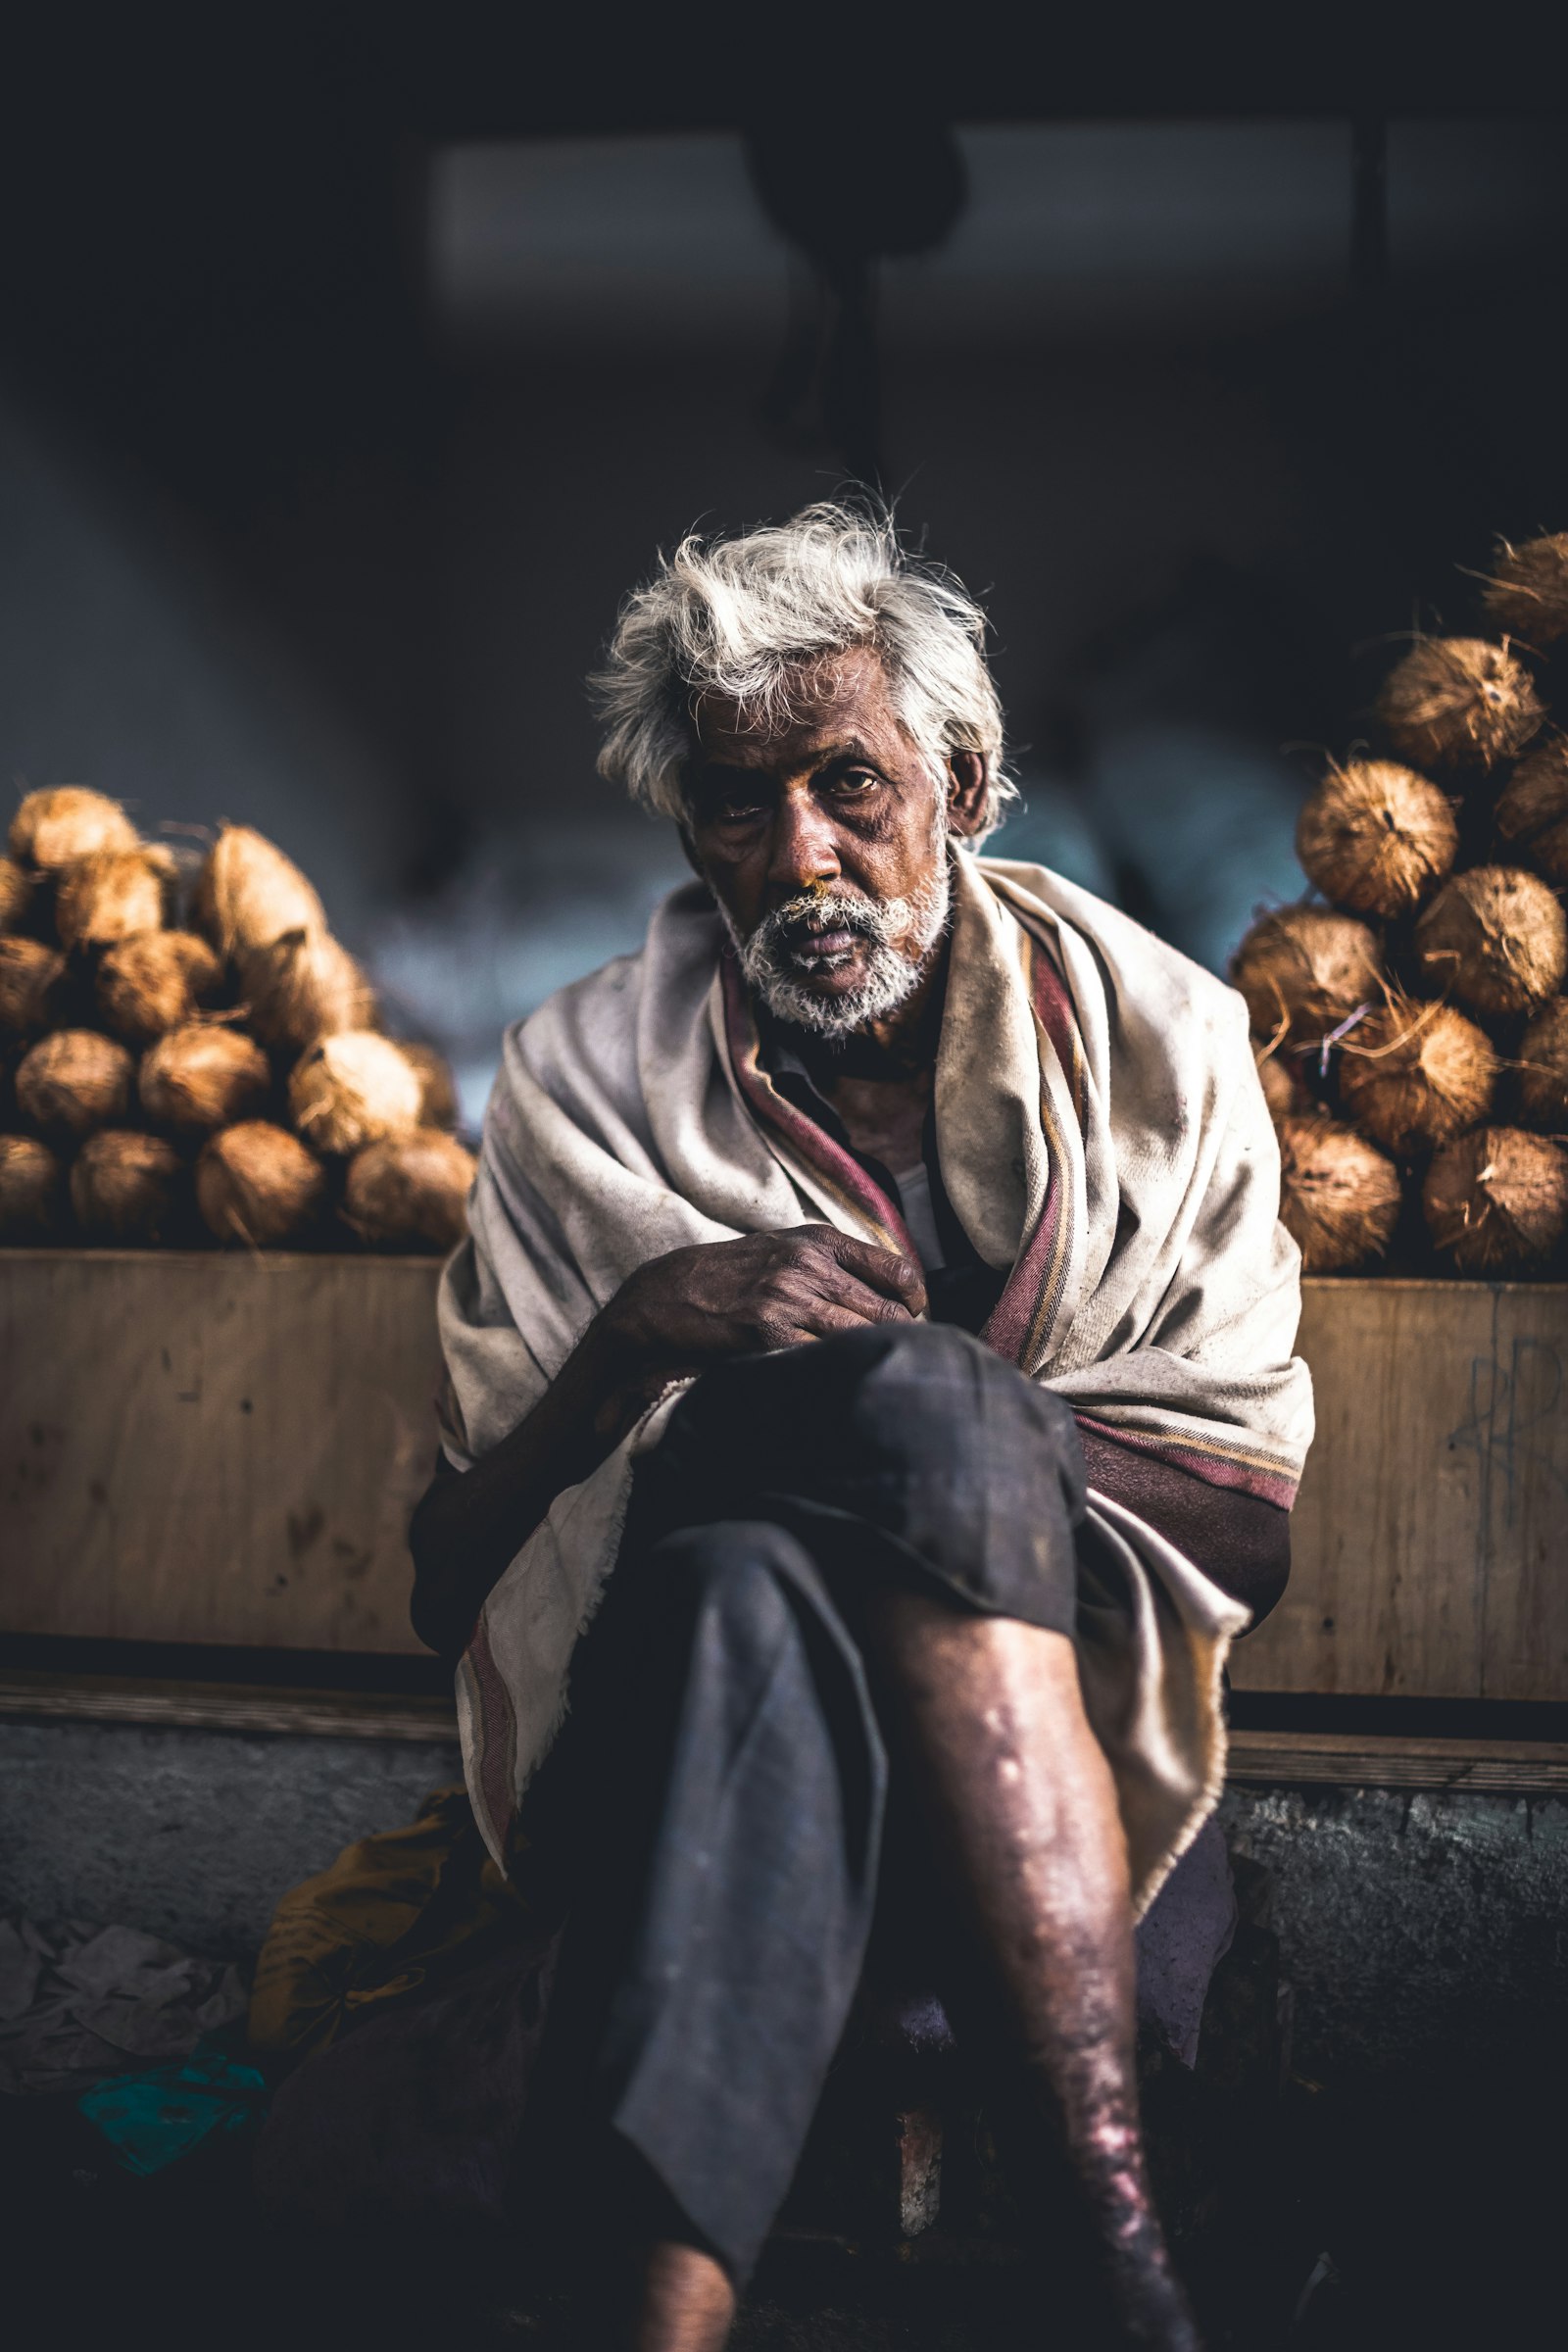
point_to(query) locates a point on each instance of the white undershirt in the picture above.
(915, 1191)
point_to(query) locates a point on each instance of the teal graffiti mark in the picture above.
(1509, 1407)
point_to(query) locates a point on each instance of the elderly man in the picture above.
(870, 1396)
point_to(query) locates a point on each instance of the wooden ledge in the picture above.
(37, 1695)
(1257, 1759)
(1370, 1760)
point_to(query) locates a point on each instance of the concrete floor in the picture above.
(1416, 2147)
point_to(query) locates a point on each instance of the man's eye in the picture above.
(856, 780)
(729, 812)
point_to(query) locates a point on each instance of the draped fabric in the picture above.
(1103, 1139)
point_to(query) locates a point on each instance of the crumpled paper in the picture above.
(78, 2003)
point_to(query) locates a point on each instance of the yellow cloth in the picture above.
(384, 1920)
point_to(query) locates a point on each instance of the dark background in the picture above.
(353, 366)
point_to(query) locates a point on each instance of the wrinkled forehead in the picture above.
(822, 702)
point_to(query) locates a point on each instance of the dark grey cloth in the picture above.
(717, 1800)
(717, 1822)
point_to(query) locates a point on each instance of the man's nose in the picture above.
(804, 847)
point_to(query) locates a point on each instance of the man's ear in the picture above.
(968, 787)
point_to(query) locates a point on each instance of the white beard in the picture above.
(902, 931)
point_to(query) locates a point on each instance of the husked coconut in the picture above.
(258, 1184)
(1412, 1075)
(410, 1191)
(54, 827)
(1496, 1200)
(1339, 1196)
(1304, 970)
(1495, 938)
(203, 1076)
(1542, 1072)
(351, 1089)
(113, 895)
(438, 1093)
(249, 893)
(1528, 591)
(32, 984)
(73, 1082)
(302, 986)
(127, 1189)
(16, 894)
(157, 982)
(1376, 837)
(1458, 702)
(32, 1191)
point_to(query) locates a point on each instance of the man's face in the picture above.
(825, 843)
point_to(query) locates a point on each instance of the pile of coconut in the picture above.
(1411, 1030)
(187, 1054)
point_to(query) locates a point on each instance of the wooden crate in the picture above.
(213, 1448)
(223, 1448)
(1430, 1541)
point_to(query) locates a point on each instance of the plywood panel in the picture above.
(1431, 1539)
(222, 1448)
(196, 1448)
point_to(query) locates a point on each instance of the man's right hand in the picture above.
(767, 1290)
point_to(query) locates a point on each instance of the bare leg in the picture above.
(1019, 1793)
(685, 2302)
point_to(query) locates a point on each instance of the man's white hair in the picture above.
(746, 618)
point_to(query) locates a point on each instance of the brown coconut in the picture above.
(249, 893)
(73, 1083)
(113, 895)
(1304, 970)
(1458, 702)
(1541, 1070)
(54, 827)
(351, 1089)
(1339, 1196)
(1528, 591)
(31, 978)
(302, 986)
(438, 1092)
(126, 1188)
(258, 1184)
(410, 1190)
(1496, 1200)
(1412, 1075)
(1536, 794)
(1376, 838)
(1495, 938)
(16, 894)
(203, 1076)
(1280, 1090)
(32, 1189)
(156, 983)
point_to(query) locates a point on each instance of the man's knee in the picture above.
(924, 1383)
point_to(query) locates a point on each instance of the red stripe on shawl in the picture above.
(496, 1733)
(839, 1169)
(1033, 1289)
(1216, 1468)
(1053, 1008)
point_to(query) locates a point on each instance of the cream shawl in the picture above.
(1102, 1134)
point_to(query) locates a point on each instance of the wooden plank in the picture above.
(1430, 1543)
(224, 1448)
(209, 1447)
(1516, 1767)
(1340, 1759)
(43, 1696)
